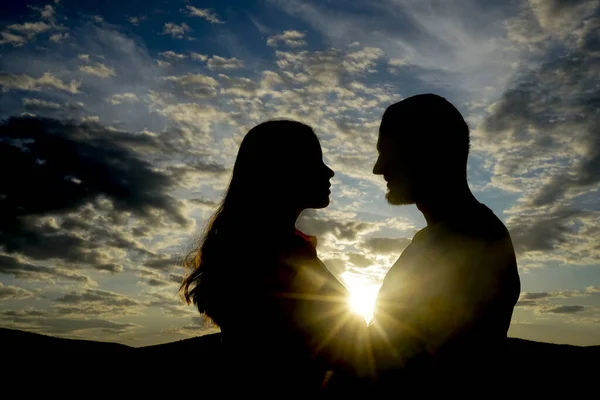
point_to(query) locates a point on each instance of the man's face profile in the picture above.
(395, 163)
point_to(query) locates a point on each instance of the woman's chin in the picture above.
(322, 203)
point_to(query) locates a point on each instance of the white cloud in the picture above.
(58, 37)
(290, 38)
(135, 21)
(176, 31)
(26, 32)
(98, 18)
(25, 82)
(172, 55)
(13, 293)
(30, 28)
(90, 118)
(193, 79)
(11, 38)
(397, 62)
(198, 57)
(123, 97)
(204, 13)
(216, 62)
(163, 64)
(100, 70)
(48, 12)
(195, 85)
(41, 103)
(363, 60)
(194, 118)
(84, 57)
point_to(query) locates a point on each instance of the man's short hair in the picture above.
(432, 121)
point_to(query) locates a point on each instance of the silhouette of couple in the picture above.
(443, 311)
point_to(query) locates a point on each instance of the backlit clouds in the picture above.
(206, 14)
(12, 292)
(288, 38)
(543, 135)
(47, 80)
(176, 31)
(121, 133)
(99, 70)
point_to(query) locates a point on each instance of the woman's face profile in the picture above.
(308, 181)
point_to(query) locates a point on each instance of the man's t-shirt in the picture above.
(448, 300)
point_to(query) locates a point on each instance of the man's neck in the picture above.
(442, 204)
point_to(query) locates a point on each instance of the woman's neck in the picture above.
(281, 221)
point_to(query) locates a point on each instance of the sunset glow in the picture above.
(362, 300)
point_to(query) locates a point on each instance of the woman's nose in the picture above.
(330, 172)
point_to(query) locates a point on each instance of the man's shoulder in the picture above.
(478, 223)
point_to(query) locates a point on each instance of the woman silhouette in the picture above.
(284, 318)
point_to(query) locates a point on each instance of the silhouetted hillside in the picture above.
(44, 362)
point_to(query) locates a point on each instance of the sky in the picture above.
(120, 123)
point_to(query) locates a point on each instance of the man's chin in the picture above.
(398, 199)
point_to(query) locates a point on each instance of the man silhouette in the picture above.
(444, 308)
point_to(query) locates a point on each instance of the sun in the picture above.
(362, 300)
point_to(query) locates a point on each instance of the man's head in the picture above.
(423, 147)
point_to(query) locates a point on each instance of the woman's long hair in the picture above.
(266, 154)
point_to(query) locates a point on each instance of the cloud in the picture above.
(163, 64)
(135, 21)
(543, 301)
(30, 29)
(458, 38)
(13, 293)
(363, 60)
(59, 37)
(195, 85)
(96, 302)
(557, 14)
(61, 325)
(100, 70)
(562, 309)
(11, 38)
(395, 63)
(198, 57)
(171, 55)
(120, 98)
(48, 12)
(84, 171)
(359, 260)
(10, 81)
(534, 296)
(163, 263)
(529, 123)
(240, 87)
(14, 266)
(176, 31)
(541, 135)
(216, 62)
(290, 38)
(381, 245)
(90, 119)
(34, 105)
(342, 230)
(204, 13)
(84, 57)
